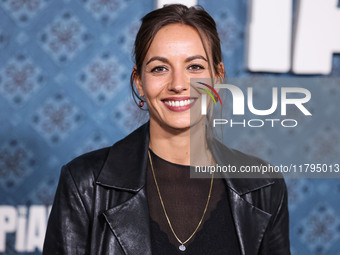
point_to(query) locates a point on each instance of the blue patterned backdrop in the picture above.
(64, 90)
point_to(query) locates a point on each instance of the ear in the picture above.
(220, 71)
(138, 81)
(219, 76)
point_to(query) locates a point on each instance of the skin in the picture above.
(175, 56)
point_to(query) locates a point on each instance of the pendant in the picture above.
(182, 247)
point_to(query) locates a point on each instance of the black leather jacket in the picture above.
(101, 206)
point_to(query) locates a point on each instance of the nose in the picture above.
(179, 81)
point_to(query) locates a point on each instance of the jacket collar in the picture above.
(125, 167)
(126, 163)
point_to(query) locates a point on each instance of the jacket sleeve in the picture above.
(279, 243)
(68, 225)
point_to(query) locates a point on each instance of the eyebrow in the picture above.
(157, 58)
(165, 60)
(196, 57)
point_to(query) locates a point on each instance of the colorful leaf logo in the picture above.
(209, 93)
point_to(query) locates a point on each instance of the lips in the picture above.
(179, 104)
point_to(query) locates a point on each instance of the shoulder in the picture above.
(77, 178)
(243, 158)
(91, 163)
(108, 165)
(244, 164)
(249, 173)
(226, 154)
(87, 165)
(262, 188)
(254, 166)
(267, 188)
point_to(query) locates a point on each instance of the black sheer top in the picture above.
(185, 199)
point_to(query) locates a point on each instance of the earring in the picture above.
(141, 103)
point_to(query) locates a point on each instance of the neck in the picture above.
(181, 146)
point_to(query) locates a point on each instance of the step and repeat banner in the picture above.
(64, 90)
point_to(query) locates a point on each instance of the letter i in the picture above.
(20, 239)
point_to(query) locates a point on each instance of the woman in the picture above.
(137, 196)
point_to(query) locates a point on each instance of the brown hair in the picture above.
(195, 17)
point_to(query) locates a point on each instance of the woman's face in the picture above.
(175, 56)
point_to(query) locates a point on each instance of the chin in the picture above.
(181, 126)
(177, 124)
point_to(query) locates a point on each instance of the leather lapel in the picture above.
(125, 171)
(250, 223)
(130, 224)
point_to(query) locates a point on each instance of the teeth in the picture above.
(179, 103)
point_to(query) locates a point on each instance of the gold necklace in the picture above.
(182, 246)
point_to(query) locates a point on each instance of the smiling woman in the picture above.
(176, 55)
(137, 196)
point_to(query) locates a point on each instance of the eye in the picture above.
(196, 67)
(159, 69)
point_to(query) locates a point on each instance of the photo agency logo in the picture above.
(281, 99)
